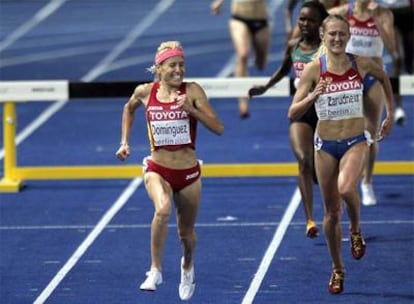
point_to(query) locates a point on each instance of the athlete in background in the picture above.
(301, 131)
(293, 32)
(249, 28)
(403, 12)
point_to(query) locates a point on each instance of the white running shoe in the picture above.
(399, 116)
(154, 278)
(187, 285)
(368, 195)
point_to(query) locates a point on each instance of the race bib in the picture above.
(171, 132)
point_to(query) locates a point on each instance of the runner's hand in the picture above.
(385, 129)
(123, 152)
(257, 90)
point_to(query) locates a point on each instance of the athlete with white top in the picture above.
(341, 142)
(371, 29)
(403, 12)
(172, 172)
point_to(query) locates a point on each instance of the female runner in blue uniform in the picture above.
(341, 141)
(371, 29)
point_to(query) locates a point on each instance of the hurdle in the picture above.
(12, 92)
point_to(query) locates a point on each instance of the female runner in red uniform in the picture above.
(172, 171)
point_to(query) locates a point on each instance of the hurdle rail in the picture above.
(12, 92)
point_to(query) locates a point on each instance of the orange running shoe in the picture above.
(336, 283)
(357, 245)
(312, 230)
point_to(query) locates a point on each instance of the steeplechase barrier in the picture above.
(12, 92)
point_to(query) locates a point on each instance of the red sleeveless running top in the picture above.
(169, 127)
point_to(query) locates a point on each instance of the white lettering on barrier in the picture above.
(52, 90)
(239, 86)
(34, 90)
(406, 85)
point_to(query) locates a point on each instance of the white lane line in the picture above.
(130, 190)
(55, 107)
(189, 51)
(129, 39)
(287, 217)
(198, 225)
(53, 54)
(271, 250)
(120, 202)
(281, 229)
(41, 15)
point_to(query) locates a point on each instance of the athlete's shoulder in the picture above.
(312, 69)
(144, 88)
(293, 43)
(341, 9)
(385, 12)
(142, 91)
(315, 63)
